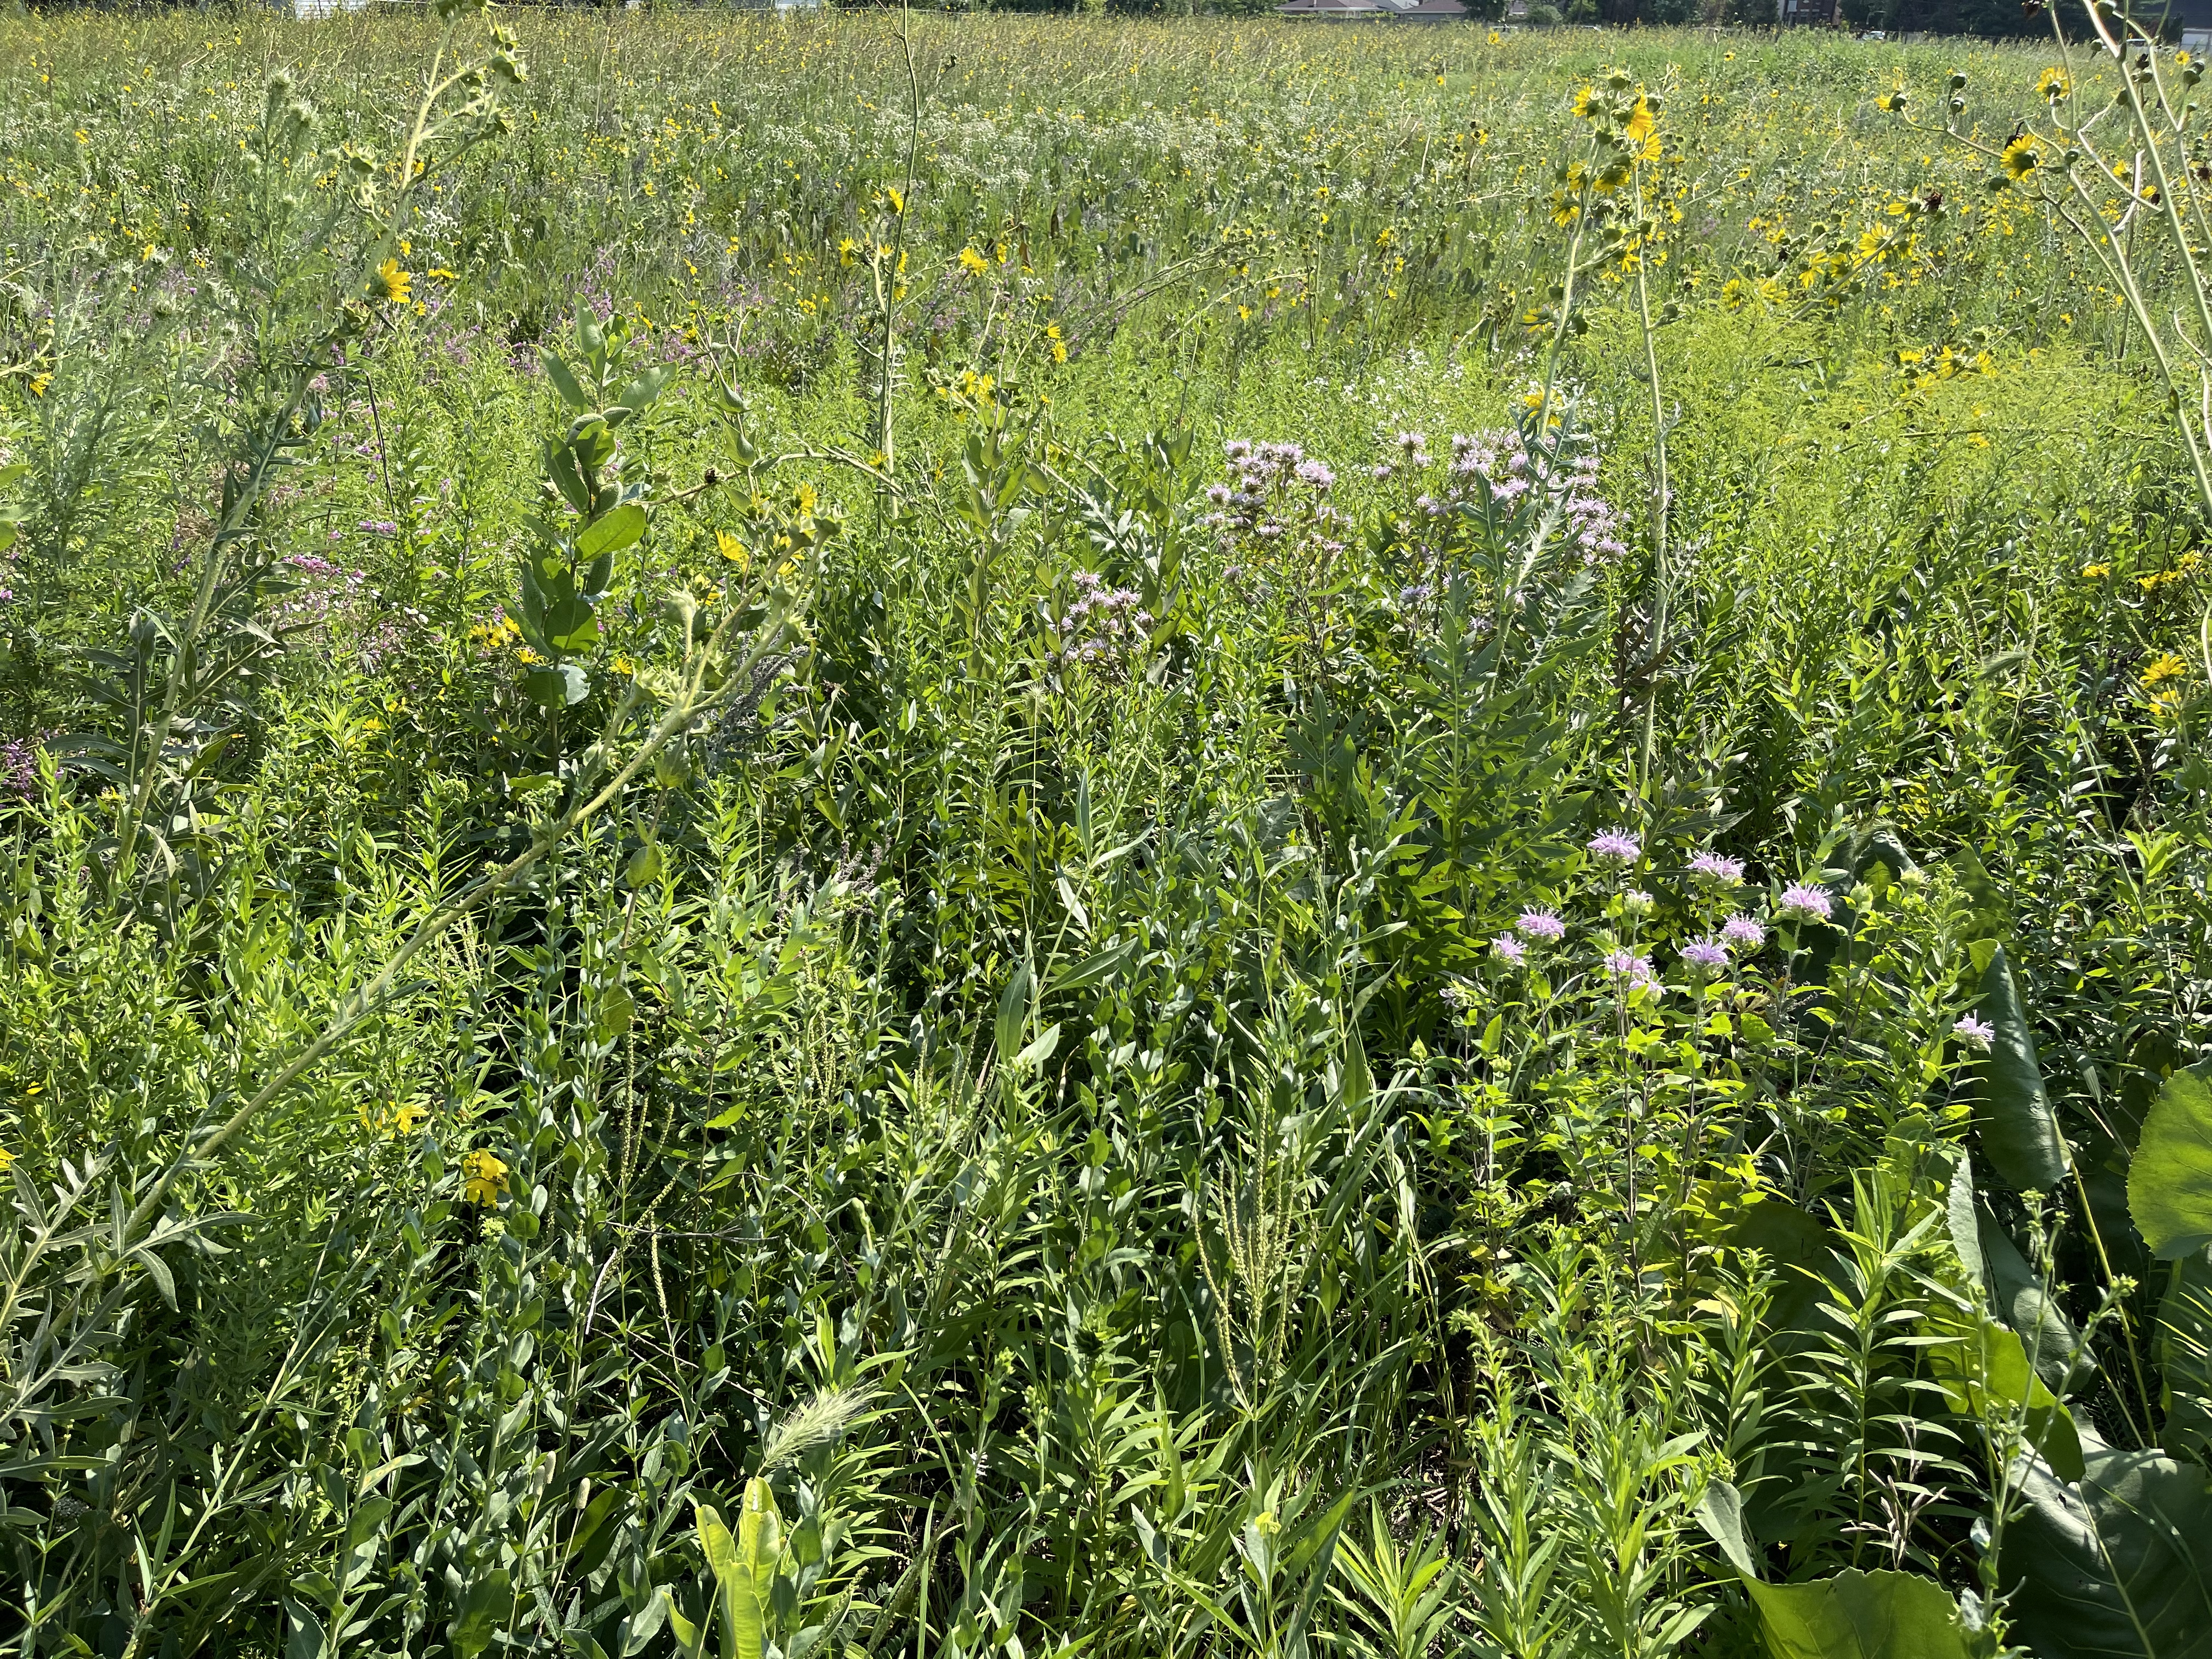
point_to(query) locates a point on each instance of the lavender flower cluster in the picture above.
(1275, 503)
(1104, 625)
(1494, 469)
(19, 766)
(328, 593)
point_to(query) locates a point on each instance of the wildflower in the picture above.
(732, 549)
(2163, 667)
(397, 284)
(970, 260)
(1713, 870)
(484, 1178)
(1978, 1032)
(1802, 903)
(1894, 101)
(1638, 902)
(2093, 571)
(1617, 845)
(1315, 473)
(2054, 84)
(1627, 965)
(1509, 948)
(2018, 158)
(1705, 955)
(1743, 932)
(1541, 925)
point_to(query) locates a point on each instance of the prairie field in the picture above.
(952, 835)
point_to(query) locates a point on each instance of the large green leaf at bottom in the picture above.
(2119, 1567)
(1854, 1616)
(1860, 1615)
(2169, 1180)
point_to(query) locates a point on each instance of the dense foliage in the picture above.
(866, 835)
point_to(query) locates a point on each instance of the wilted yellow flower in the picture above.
(484, 1178)
(397, 284)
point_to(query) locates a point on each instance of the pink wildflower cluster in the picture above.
(1275, 506)
(1494, 471)
(1103, 624)
(327, 594)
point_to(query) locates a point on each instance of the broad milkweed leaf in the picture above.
(1720, 1512)
(1013, 1014)
(618, 530)
(760, 1546)
(2117, 1568)
(1034, 1057)
(2018, 1131)
(1860, 1615)
(2017, 1293)
(564, 380)
(2170, 1178)
(489, 1600)
(1107, 965)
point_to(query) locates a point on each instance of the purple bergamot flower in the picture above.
(1509, 948)
(1740, 930)
(1803, 903)
(1712, 868)
(1977, 1032)
(1616, 844)
(1706, 954)
(1541, 925)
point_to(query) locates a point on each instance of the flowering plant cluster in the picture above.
(326, 598)
(1273, 510)
(1103, 627)
(1496, 481)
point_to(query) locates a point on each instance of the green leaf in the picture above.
(491, 1597)
(564, 380)
(2016, 1291)
(1013, 1014)
(560, 686)
(2184, 1351)
(2169, 1180)
(1720, 1512)
(760, 1546)
(1033, 1058)
(1107, 965)
(1959, 1214)
(2118, 1568)
(2020, 1134)
(1983, 1369)
(611, 534)
(1860, 1615)
(1854, 1616)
